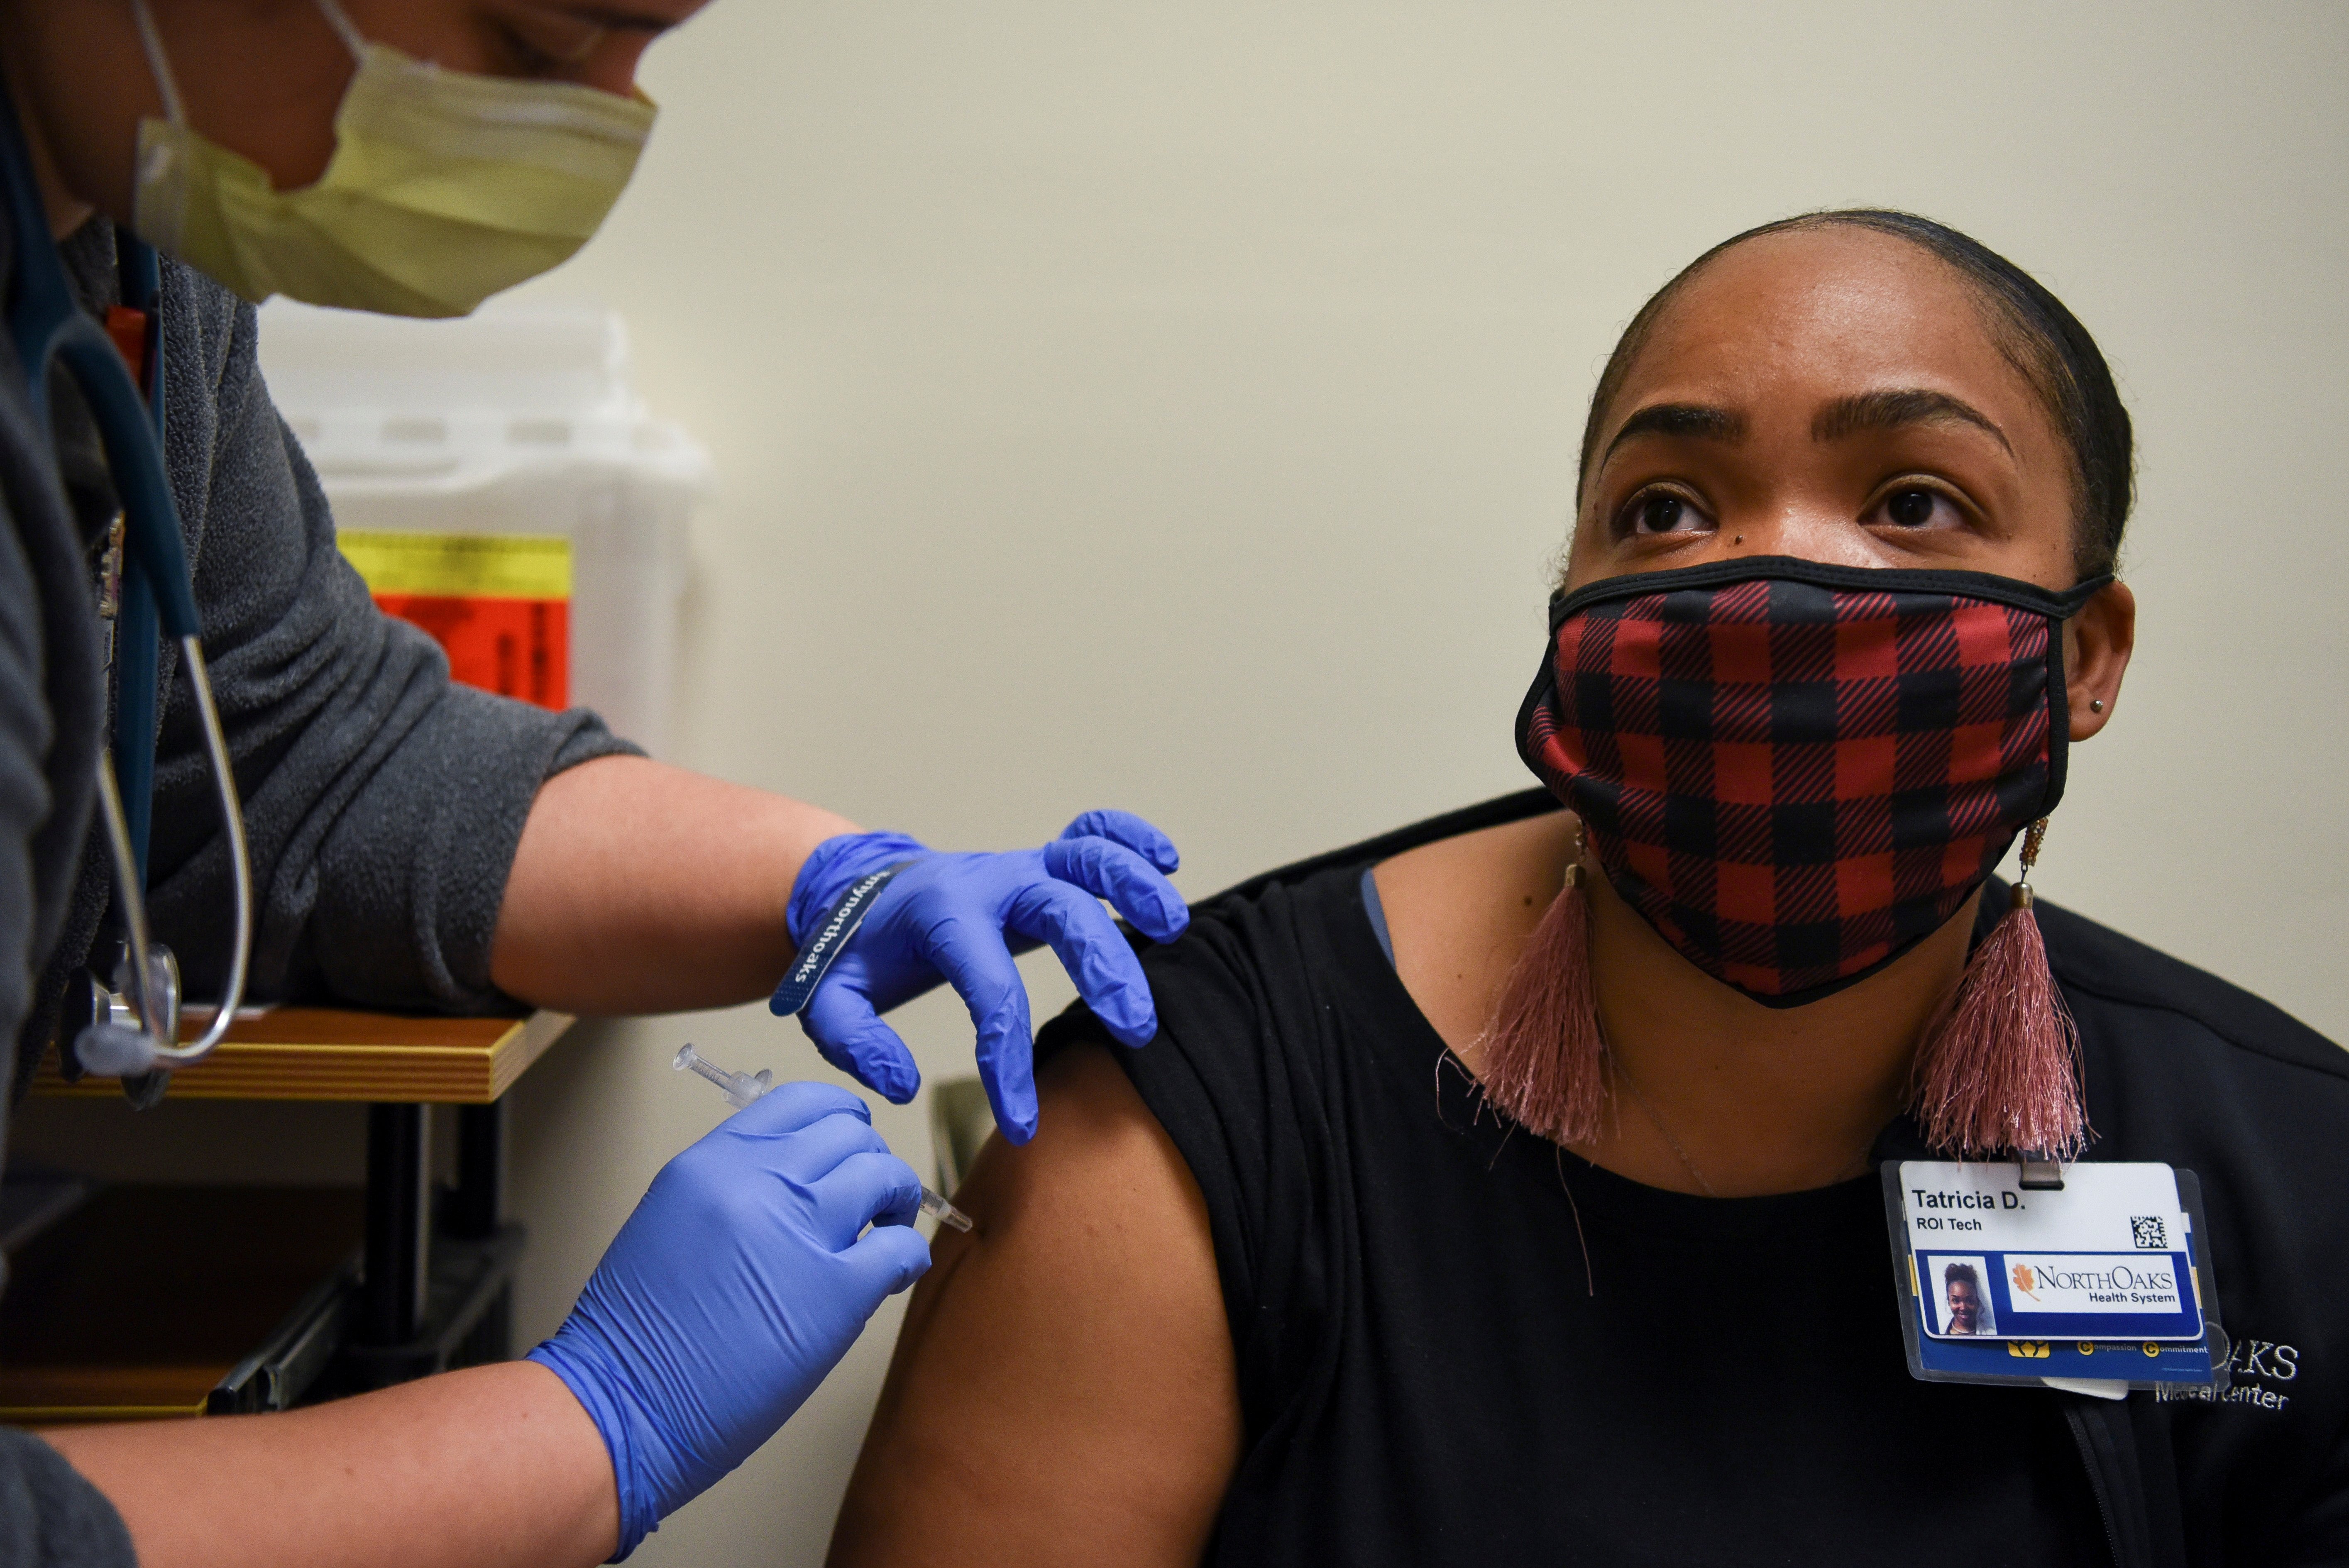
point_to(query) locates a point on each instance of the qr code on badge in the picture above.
(2149, 1233)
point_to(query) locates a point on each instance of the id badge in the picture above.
(2089, 1276)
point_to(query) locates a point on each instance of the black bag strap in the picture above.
(2137, 1500)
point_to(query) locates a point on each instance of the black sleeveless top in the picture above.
(1460, 1344)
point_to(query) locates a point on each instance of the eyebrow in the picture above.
(1700, 421)
(1897, 409)
(619, 18)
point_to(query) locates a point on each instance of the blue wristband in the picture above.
(833, 868)
(829, 940)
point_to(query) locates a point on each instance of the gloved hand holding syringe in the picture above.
(742, 1089)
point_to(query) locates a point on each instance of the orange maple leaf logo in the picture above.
(2021, 1274)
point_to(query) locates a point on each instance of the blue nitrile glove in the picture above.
(948, 916)
(733, 1288)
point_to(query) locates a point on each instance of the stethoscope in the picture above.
(135, 1013)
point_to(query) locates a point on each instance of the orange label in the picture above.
(515, 647)
(500, 603)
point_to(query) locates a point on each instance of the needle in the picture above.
(742, 1088)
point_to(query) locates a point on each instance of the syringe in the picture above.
(742, 1088)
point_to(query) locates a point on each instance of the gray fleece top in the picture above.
(383, 802)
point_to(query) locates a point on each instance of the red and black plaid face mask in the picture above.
(1795, 772)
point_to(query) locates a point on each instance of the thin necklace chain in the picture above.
(1656, 1118)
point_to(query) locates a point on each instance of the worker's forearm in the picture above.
(490, 1466)
(643, 888)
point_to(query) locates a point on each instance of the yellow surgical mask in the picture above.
(444, 188)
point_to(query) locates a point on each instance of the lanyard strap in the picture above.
(51, 329)
(136, 325)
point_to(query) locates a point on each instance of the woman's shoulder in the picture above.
(2163, 1012)
(1451, 827)
(1283, 935)
(1458, 909)
(2186, 1068)
(1278, 1000)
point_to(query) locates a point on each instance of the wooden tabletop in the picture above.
(331, 1053)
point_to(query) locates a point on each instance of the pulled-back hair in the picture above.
(2039, 336)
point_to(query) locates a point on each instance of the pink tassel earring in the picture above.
(2000, 1072)
(1543, 1052)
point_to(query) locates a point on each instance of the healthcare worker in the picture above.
(413, 843)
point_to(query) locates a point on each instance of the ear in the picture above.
(2098, 642)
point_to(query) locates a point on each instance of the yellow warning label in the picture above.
(461, 565)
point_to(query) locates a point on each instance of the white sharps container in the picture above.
(497, 481)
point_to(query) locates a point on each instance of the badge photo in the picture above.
(1958, 1304)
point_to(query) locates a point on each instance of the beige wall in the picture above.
(1172, 407)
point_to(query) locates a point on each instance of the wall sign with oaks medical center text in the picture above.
(2097, 1282)
(497, 603)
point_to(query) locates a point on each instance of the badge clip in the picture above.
(2040, 1175)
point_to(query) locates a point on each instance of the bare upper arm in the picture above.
(1063, 1389)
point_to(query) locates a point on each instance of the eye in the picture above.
(1913, 508)
(539, 42)
(1654, 512)
(524, 57)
